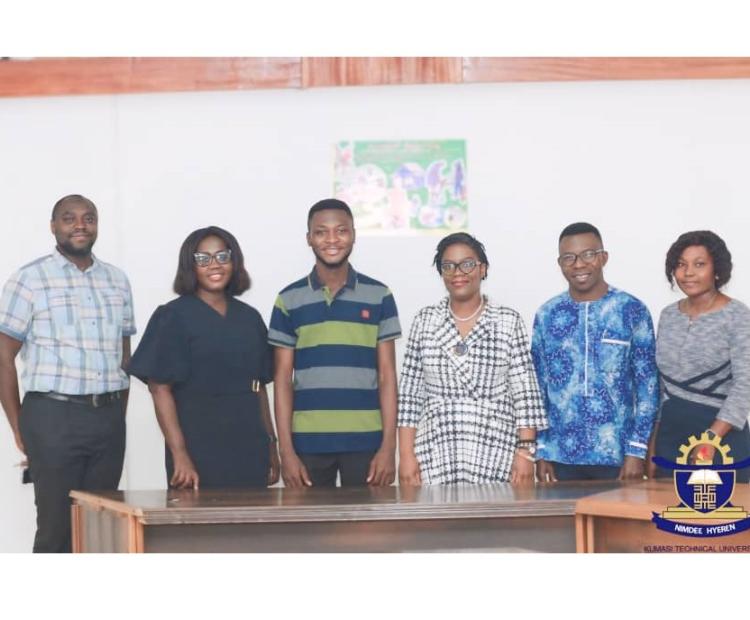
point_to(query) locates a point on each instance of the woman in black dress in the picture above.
(206, 361)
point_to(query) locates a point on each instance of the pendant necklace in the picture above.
(462, 348)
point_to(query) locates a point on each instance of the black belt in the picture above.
(92, 400)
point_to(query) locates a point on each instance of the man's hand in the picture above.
(19, 442)
(185, 475)
(274, 466)
(650, 465)
(382, 470)
(293, 471)
(545, 471)
(633, 468)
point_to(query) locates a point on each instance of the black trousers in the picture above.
(563, 471)
(682, 418)
(69, 446)
(323, 468)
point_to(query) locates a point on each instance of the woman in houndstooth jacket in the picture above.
(469, 403)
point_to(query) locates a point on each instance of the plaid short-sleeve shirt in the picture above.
(71, 323)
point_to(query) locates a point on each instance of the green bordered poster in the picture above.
(403, 187)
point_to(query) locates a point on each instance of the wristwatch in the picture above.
(711, 435)
(527, 444)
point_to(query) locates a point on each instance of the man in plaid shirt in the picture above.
(70, 316)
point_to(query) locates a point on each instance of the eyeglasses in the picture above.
(465, 266)
(204, 259)
(587, 257)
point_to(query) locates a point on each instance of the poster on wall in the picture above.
(403, 186)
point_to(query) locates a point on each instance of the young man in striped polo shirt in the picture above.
(335, 389)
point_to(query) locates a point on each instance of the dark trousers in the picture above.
(323, 468)
(680, 419)
(69, 446)
(563, 471)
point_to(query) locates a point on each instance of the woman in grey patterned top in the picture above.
(703, 355)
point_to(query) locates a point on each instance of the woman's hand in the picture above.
(274, 465)
(522, 470)
(185, 475)
(408, 470)
(704, 453)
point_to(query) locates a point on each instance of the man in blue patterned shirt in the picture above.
(593, 348)
(70, 316)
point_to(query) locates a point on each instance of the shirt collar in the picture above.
(610, 291)
(316, 284)
(63, 261)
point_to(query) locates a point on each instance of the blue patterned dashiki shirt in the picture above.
(595, 362)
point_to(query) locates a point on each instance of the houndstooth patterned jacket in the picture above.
(466, 408)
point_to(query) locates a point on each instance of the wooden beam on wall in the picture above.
(351, 71)
(561, 69)
(87, 76)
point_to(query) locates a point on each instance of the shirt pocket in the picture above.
(113, 303)
(613, 355)
(495, 358)
(63, 308)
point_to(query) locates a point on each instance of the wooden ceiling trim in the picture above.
(87, 76)
(562, 69)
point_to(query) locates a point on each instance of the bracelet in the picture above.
(526, 456)
(273, 439)
(525, 443)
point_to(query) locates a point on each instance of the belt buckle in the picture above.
(95, 400)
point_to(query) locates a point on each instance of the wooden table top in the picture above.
(639, 500)
(161, 507)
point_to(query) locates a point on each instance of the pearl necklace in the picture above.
(468, 318)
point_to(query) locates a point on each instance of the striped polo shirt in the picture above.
(335, 339)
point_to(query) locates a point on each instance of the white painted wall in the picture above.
(642, 160)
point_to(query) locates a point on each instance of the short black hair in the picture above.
(185, 282)
(328, 203)
(580, 228)
(465, 239)
(720, 254)
(71, 198)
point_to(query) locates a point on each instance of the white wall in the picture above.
(642, 160)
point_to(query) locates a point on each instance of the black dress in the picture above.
(212, 362)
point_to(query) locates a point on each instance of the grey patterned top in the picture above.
(707, 360)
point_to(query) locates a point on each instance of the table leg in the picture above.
(135, 535)
(76, 535)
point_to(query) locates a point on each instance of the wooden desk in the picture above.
(619, 520)
(436, 518)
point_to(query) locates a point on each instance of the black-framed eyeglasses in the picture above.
(587, 257)
(465, 266)
(204, 259)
